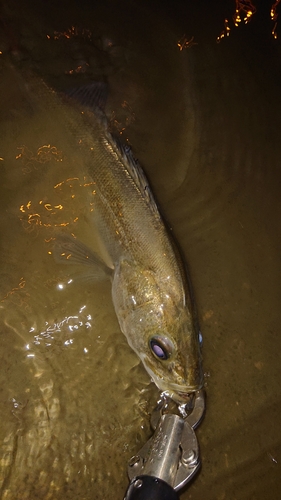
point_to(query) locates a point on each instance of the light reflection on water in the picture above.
(74, 400)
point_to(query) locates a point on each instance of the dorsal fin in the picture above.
(136, 172)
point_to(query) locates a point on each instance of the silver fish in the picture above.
(150, 291)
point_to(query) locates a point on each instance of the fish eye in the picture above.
(161, 347)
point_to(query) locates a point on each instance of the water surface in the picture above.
(205, 123)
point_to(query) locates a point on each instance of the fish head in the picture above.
(172, 355)
(159, 327)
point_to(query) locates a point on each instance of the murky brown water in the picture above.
(205, 123)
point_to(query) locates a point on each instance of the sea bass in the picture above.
(150, 290)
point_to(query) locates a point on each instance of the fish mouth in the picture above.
(178, 393)
(180, 396)
(179, 388)
(185, 395)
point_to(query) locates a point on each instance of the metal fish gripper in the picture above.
(170, 458)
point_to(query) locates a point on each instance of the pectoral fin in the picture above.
(67, 250)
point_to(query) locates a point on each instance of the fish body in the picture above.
(149, 286)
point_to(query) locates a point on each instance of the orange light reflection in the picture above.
(274, 16)
(44, 214)
(184, 43)
(43, 155)
(71, 32)
(244, 11)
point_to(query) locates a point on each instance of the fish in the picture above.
(150, 288)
